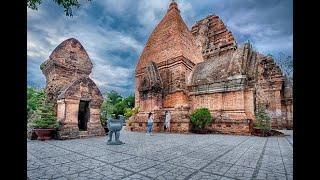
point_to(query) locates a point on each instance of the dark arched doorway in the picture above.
(83, 115)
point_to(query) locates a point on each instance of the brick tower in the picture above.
(162, 70)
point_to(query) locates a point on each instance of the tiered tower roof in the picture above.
(170, 39)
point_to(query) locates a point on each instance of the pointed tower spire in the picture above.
(170, 39)
(173, 5)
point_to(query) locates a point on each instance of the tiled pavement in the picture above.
(163, 156)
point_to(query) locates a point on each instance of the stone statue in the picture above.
(115, 126)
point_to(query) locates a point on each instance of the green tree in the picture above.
(108, 105)
(114, 103)
(201, 117)
(113, 97)
(46, 117)
(35, 98)
(121, 107)
(66, 4)
(263, 120)
(130, 101)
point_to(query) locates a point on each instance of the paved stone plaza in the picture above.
(163, 156)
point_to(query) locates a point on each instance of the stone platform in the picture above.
(163, 156)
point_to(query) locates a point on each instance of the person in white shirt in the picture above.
(149, 123)
(167, 121)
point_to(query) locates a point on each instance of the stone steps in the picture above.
(84, 134)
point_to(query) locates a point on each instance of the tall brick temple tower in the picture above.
(162, 70)
(181, 70)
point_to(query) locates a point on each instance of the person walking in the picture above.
(149, 123)
(167, 121)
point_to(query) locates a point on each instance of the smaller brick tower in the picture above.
(69, 87)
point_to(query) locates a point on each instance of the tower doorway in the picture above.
(83, 115)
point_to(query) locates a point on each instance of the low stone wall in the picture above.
(180, 123)
(239, 127)
(71, 131)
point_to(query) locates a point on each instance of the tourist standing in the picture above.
(149, 123)
(167, 121)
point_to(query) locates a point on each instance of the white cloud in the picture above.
(44, 36)
(108, 43)
(151, 12)
(272, 45)
(115, 6)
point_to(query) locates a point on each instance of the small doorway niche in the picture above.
(83, 115)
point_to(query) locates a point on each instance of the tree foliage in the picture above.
(130, 112)
(113, 97)
(66, 4)
(263, 120)
(35, 98)
(201, 117)
(114, 103)
(46, 117)
(40, 113)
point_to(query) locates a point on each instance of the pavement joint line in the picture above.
(284, 166)
(100, 161)
(235, 163)
(166, 161)
(139, 155)
(151, 150)
(219, 175)
(211, 161)
(289, 141)
(257, 168)
(106, 149)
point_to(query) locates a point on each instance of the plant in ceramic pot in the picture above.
(35, 98)
(46, 123)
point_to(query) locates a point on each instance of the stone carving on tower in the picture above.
(151, 81)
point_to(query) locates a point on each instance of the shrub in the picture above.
(263, 120)
(130, 112)
(201, 117)
(45, 117)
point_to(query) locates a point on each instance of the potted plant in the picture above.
(46, 123)
(262, 126)
(35, 98)
(200, 118)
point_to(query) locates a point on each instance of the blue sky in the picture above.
(114, 32)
